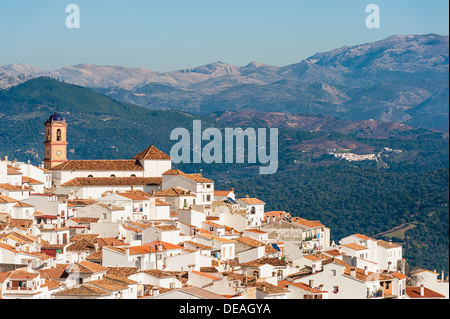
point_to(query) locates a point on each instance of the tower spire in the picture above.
(55, 141)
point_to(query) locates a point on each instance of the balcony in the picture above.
(20, 290)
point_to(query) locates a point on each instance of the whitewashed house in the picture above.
(202, 187)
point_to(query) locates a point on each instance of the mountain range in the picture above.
(402, 78)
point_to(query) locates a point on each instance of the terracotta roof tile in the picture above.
(124, 272)
(6, 199)
(99, 165)
(83, 290)
(31, 181)
(386, 244)
(173, 172)
(269, 288)
(251, 201)
(13, 188)
(152, 153)
(206, 275)
(362, 236)
(249, 241)
(308, 223)
(414, 292)
(108, 284)
(355, 246)
(88, 237)
(266, 260)
(113, 181)
(174, 192)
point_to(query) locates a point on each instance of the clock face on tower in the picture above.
(58, 153)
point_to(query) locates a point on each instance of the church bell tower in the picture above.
(55, 141)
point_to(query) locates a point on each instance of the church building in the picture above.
(143, 169)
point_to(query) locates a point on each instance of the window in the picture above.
(58, 135)
(90, 176)
(208, 198)
(208, 185)
(112, 175)
(333, 272)
(335, 289)
(132, 175)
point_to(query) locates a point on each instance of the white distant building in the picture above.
(202, 187)
(386, 255)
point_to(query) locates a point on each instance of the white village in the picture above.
(140, 229)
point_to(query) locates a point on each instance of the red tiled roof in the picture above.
(362, 236)
(99, 165)
(6, 199)
(113, 181)
(152, 153)
(251, 201)
(173, 172)
(308, 223)
(205, 275)
(414, 292)
(355, 246)
(173, 192)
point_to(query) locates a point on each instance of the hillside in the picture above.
(99, 127)
(408, 184)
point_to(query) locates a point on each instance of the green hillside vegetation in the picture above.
(407, 187)
(357, 200)
(99, 127)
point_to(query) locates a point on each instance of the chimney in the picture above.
(96, 246)
(390, 241)
(366, 270)
(353, 272)
(422, 290)
(58, 221)
(442, 276)
(232, 190)
(311, 283)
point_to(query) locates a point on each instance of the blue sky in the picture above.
(166, 35)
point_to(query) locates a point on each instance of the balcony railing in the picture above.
(21, 290)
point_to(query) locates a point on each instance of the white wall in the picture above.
(182, 262)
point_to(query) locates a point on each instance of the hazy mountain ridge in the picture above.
(401, 78)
